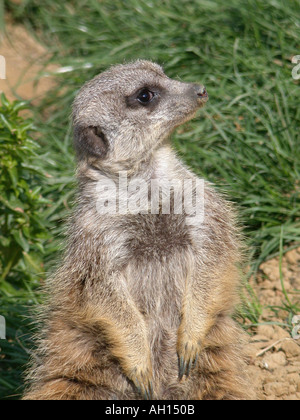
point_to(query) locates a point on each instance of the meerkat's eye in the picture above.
(145, 96)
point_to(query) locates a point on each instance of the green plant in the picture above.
(24, 231)
(23, 228)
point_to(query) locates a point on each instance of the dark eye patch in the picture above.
(147, 96)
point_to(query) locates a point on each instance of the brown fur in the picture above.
(141, 305)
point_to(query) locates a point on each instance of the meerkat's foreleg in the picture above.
(205, 298)
(195, 324)
(125, 330)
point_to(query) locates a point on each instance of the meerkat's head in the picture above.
(124, 114)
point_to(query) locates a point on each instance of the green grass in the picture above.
(246, 140)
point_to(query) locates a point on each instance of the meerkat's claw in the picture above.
(187, 359)
(144, 389)
(149, 391)
(185, 367)
(143, 383)
(182, 367)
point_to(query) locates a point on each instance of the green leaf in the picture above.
(4, 101)
(19, 238)
(34, 262)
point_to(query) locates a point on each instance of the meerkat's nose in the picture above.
(201, 92)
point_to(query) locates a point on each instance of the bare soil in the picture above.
(25, 58)
(274, 355)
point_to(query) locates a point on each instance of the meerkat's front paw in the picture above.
(143, 381)
(138, 368)
(188, 351)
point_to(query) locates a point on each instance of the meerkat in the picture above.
(141, 305)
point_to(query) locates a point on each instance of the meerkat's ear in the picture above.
(90, 141)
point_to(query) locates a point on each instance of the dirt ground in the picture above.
(274, 355)
(24, 58)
